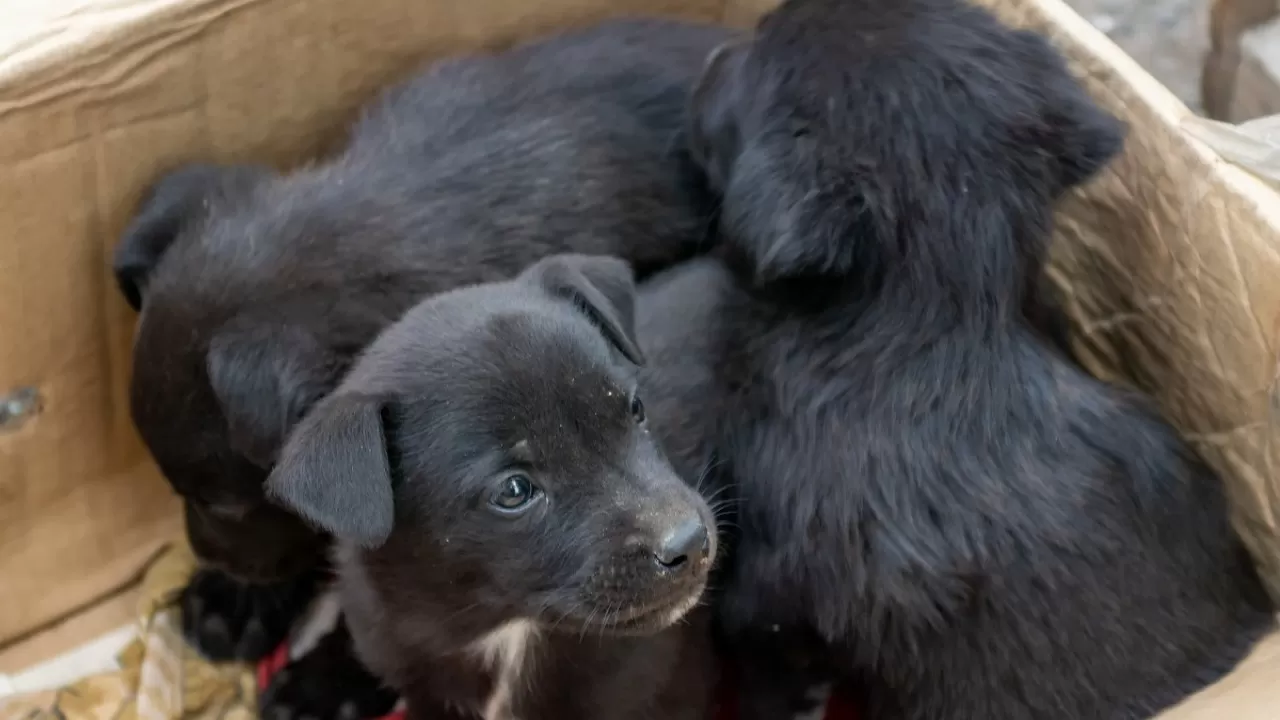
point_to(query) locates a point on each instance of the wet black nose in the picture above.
(683, 543)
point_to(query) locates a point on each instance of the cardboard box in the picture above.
(1169, 260)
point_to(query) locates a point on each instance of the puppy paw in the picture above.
(226, 620)
(328, 683)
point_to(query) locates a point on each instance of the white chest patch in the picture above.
(320, 620)
(505, 652)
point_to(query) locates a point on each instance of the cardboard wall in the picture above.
(1169, 261)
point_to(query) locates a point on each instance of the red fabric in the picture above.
(839, 708)
(272, 664)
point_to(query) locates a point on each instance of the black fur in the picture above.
(533, 381)
(934, 507)
(326, 682)
(257, 289)
(229, 622)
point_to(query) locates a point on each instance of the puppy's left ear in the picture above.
(179, 199)
(714, 136)
(335, 473)
(1088, 139)
(1080, 134)
(266, 376)
(601, 287)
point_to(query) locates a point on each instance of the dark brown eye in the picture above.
(637, 409)
(514, 493)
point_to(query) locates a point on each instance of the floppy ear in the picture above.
(266, 377)
(601, 287)
(714, 137)
(1088, 137)
(1077, 131)
(176, 200)
(334, 471)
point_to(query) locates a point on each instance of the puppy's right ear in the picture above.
(714, 135)
(601, 287)
(335, 473)
(173, 203)
(267, 376)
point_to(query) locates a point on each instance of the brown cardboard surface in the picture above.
(113, 611)
(1169, 261)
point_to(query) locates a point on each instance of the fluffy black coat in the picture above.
(933, 506)
(257, 290)
(512, 542)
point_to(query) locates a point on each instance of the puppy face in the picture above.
(224, 363)
(490, 453)
(177, 400)
(851, 135)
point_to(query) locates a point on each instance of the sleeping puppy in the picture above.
(511, 541)
(256, 289)
(935, 508)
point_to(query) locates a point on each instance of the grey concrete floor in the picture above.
(1167, 37)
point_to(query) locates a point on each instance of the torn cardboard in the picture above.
(1168, 262)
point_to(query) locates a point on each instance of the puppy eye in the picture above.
(515, 492)
(637, 409)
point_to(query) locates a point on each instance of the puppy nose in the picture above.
(686, 541)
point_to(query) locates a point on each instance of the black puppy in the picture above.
(934, 506)
(502, 511)
(256, 290)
